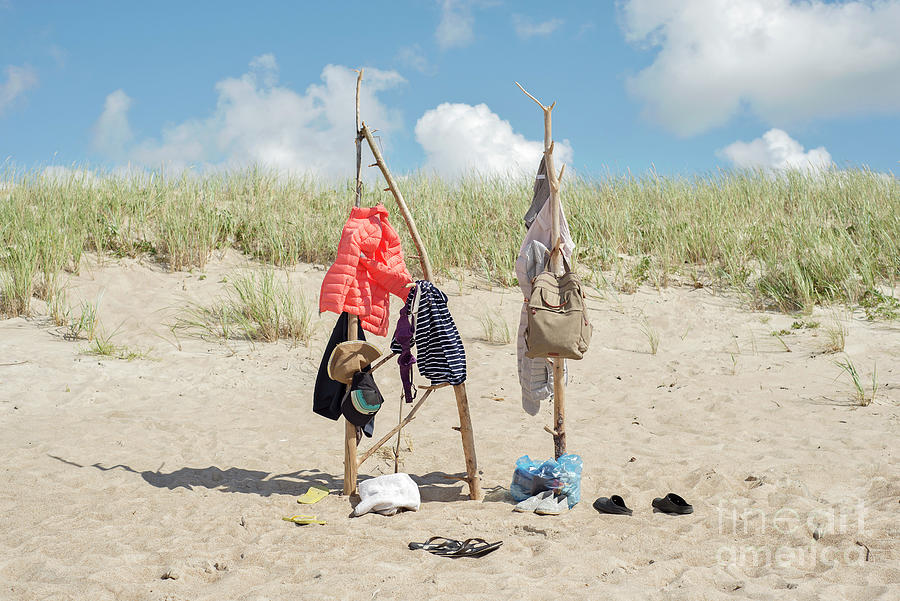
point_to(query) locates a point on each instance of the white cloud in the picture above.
(266, 68)
(414, 58)
(59, 55)
(775, 150)
(89, 176)
(18, 80)
(62, 173)
(525, 28)
(460, 138)
(783, 60)
(584, 28)
(112, 132)
(258, 122)
(455, 29)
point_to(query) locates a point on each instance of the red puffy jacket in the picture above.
(368, 267)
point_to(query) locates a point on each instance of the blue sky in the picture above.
(686, 86)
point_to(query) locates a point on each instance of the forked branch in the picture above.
(548, 109)
(559, 392)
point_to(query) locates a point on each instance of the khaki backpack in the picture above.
(557, 317)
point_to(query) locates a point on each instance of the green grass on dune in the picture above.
(791, 241)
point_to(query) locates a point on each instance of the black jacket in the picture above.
(328, 393)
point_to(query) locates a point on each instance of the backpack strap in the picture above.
(557, 249)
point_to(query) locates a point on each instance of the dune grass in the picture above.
(790, 241)
(494, 329)
(861, 395)
(255, 307)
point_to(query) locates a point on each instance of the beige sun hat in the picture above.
(350, 357)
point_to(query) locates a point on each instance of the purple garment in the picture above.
(403, 337)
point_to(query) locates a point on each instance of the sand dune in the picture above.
(116, 473)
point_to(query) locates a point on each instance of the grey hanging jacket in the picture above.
(541, 193)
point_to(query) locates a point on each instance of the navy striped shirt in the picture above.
(440, 355)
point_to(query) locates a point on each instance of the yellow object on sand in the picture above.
(313, 495)
(304, 520)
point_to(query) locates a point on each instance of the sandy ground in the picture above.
(114, 473)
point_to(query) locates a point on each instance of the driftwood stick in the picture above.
(540, 104)
(350, 440)
(404, 210)
(358, 140)
(350, 432)
(559, 408)
(556, 265)
(435, 386)
(468, 441)
(409, 417)
(399, 430)
(548, 109)
(382, 362)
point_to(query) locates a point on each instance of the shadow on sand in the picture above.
(233, 479)
(433, 487)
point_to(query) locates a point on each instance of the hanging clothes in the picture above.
(536, 375)
(440, 355)
(403, 339)
(328, 393)
(541, 193)
(368, 268)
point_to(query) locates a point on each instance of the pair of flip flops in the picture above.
(313, 495)
(671, 503)
(448, 547)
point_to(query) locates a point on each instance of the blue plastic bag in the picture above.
(562, 476)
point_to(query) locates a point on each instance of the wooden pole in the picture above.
(556, 266)
(468, 441)
(358, 141)
(462, 401)
(396, 429)
(350, 439)
(404, 210)
(350, 463)
(397, 445)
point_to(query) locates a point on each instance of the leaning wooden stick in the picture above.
(404, 210)
(350, 437)
(395, 430)
(358, 140)
(462, 402)
(556, 263)
(468, 441)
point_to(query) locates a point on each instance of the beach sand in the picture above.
(118, 473)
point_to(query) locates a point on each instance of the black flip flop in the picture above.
(438, 544)
(473, 547)
(672, 503)
(614, 505)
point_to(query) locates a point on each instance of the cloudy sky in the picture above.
(680, 86)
